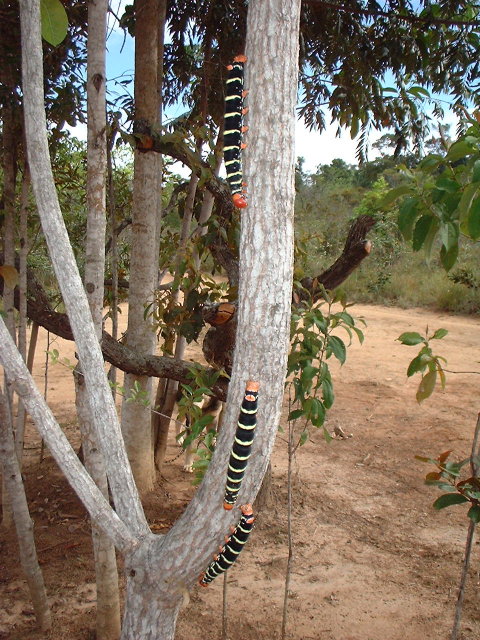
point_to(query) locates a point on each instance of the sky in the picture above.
(316, 148)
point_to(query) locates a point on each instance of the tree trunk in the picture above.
(22, 315)
(136, 418)
(125, 495)
(108, 597)
(21, 516)
(266, 258)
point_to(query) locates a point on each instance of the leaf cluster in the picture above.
(448, 477)
(190, 412)
(313, 343)
(440, 198)
(426, 363)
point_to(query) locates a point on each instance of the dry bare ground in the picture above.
(373, 560)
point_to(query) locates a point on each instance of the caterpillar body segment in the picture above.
(242, 444)
(231, 549)
(233, 129)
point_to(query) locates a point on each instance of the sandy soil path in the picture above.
(373, 560)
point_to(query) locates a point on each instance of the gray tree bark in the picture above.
(136, 418)
(23, 523)
(124, 491)
(160, 569)
(108, 597)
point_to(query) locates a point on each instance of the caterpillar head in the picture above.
(239, 200)
(247, 510)
(227, 506)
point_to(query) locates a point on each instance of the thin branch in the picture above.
(393, 15)
(468, 544)
(66, 458)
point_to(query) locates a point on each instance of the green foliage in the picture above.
(440, 198)
(425, 362)
(171, 313)
(313, 343)
(447, 477)
(190, 411)
(54, 21)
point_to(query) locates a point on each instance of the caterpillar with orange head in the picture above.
(233, 129)
(242, 444)
(232, 547)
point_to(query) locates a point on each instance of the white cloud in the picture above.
(321, 148)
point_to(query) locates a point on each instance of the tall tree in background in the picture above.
(108, 598)
(136, 419)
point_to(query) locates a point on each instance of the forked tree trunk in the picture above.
(266, 257)
(161, 568)
(136, 417)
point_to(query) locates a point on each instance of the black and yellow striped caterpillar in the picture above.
(232, 547)
(233, 129)
(242, 444)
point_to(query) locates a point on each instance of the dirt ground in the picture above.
(373, 560)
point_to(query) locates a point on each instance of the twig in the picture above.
(468, 545)
(289, 523)
(224, 609)
(450, 371)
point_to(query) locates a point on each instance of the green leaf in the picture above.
(418, 91)
(448, 499)
(422, 227)
(417, 365)
(303, 438)
(459, 150)
(54, 21)
(466, 200)
(326, 435)
(354, 128)
(392, 195)
(476, 171)
(295, 414)
(473, 221)
(447, 184)
(474, 513)
(327, 393)
(360, 335)
(337, 346)
(410, 338)
(439, 334)
(448, 257)
(426, 386)
(428, 244)
(406, 217)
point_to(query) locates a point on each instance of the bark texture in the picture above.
(127, 502)
(266, 269)
(108, 597)
(136, 418)
(23, 523)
